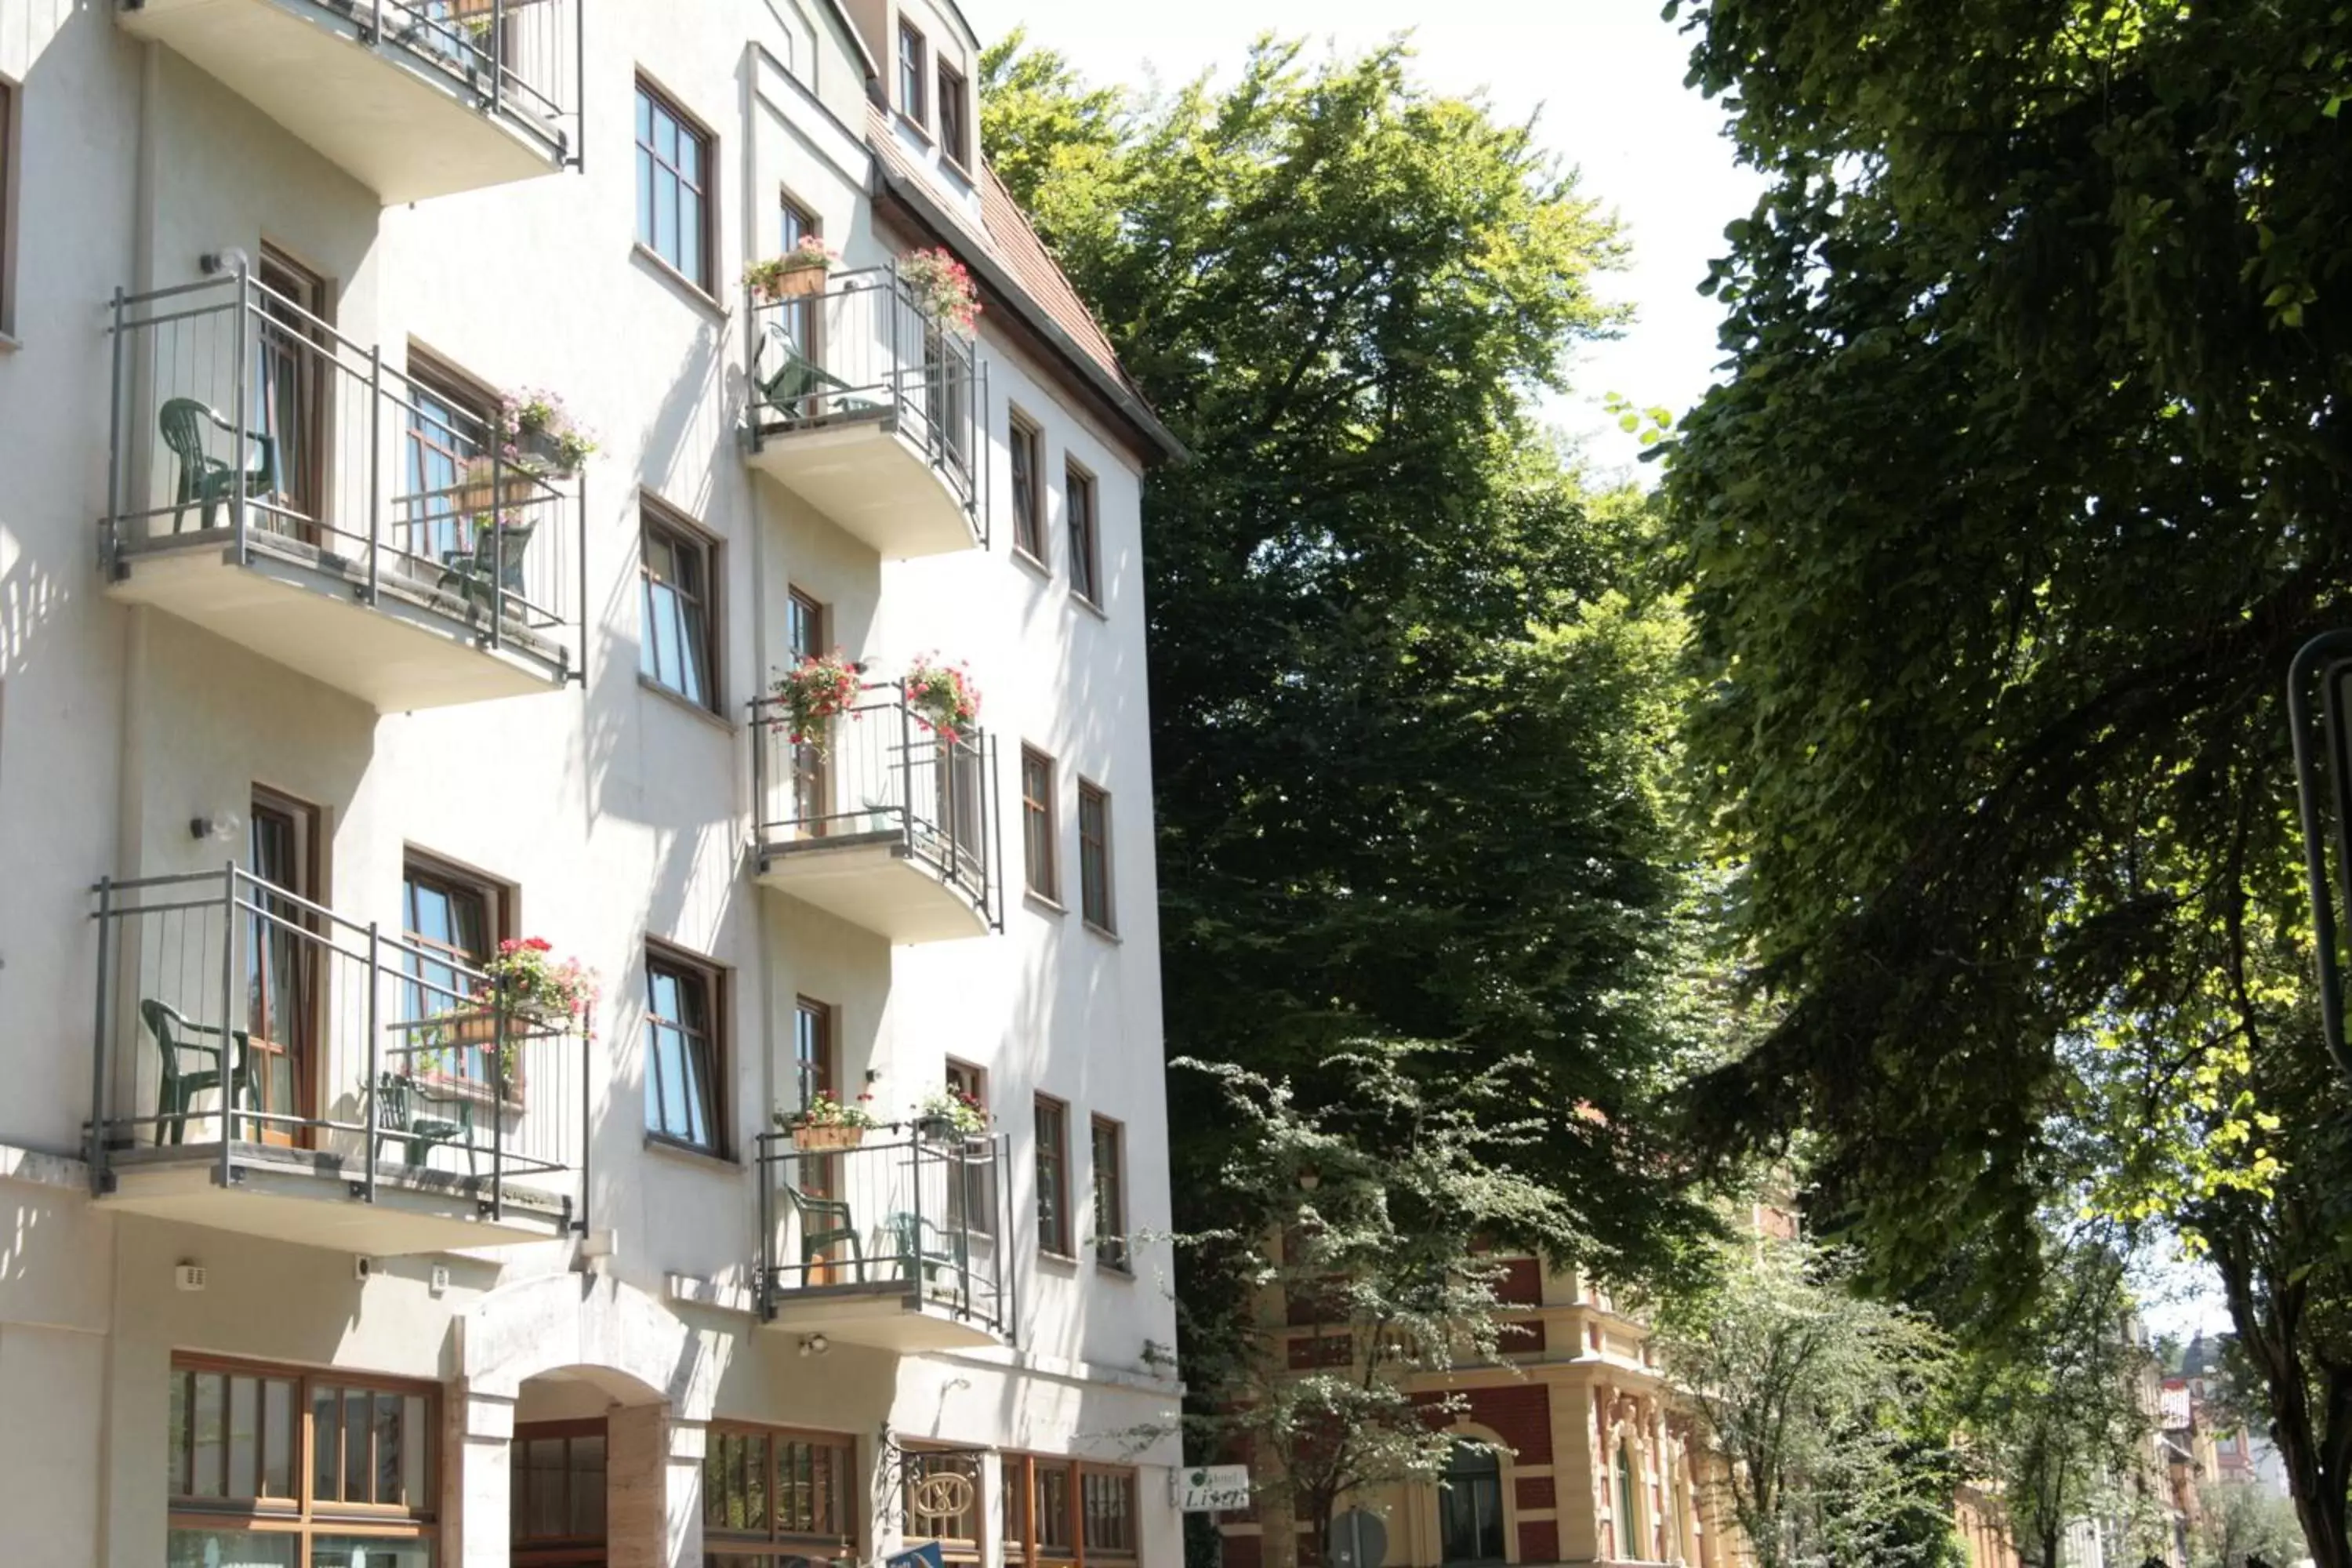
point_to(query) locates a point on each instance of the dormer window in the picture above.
(911, 75)
(954, 134)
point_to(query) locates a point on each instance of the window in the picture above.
(760, 1489)
(804, 639)
(1053, 1177)
(1110, 1193)
(1074, 1504)
(1626, 1531)
(1086, 564)
(682, 1051)
(1028, 515)
(452, 922)
(952, 137)
(929, 1516)
(11, 133)
(1094, 857)
(291, 373)
(259, 1458)
(972, 1198)
(799, 317)
(556, 1486)
(673, 203)
(813, 1053)
(1470, 1506)
(448, 419)
(679, 650)
(1037, 824)
(911, 74)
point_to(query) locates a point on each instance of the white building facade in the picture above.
(326, 669)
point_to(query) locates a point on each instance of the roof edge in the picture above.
(1123, 398)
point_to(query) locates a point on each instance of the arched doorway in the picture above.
(1470, 1506)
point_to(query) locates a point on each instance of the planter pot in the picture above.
(806, 1138)
(542, 454)
(938, 1130)
(799, 283)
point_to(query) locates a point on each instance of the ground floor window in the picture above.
(1061, 1505)
(1470, 1506)
(762, 1488)
(940, 1498)
(271, 1468)
(556, 1490)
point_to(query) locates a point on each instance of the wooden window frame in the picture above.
(1019, 1527)
(914, 76)
(1025, 437)
(1117, 1257)
(976, 1084)
(1083, 523)
(720, 1542)
(953, 1548)
(552, 1549)
(12, 162)
(1041, 816)
(1104, 919)
(704, 277)
(656, 516)
(500, 901)
(1062, 1241)
(955, 128)
(305, 1515)
(713, 979)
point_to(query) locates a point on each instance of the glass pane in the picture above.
(356, 1404)
(175, 1472)
(228, 1549)
(645, 197)
(327, 1428)
(588, 1487)
(413, 1450)
(689, 233)
(243, 1432)
(387, 1449)
(543, 1483)
(368, 1551)
(646, 663)
(211, 1402)
(665, 215)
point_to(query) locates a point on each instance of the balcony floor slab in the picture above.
(300, 607)
(289, 1194)
(882, 1317)
(870, 880)
(397, 122)
(867, 475)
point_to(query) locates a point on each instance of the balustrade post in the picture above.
(374, 1120)
(375, 511)
(238, 398)
(97, 1074)
(234, 1047)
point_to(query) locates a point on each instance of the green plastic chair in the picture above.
(471, 574)
(204, 479)
(798, 378)
(823, 1222)
(398, 1120)
(911, 1236)
(179, 1087)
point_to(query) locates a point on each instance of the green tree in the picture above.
(1822, 1402)
(2245, 1522)
(1412, 714)
(2052, 1411)
(2000, 538)
(1357, 1218)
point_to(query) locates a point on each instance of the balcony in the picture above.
(263, 1065)
(893, 1244)
(292, 491)
(866, 408)
(411, 97)
(889, 828)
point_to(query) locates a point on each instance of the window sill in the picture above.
(1124, 1271)
(10, 343)
(687, 1155)
(695, 293)
(1089, 606)
(1044, 905)
(1032, 562)
(954, 166)
(1104, 933)
(1060, 1261)
(684, 705)
(922, 133)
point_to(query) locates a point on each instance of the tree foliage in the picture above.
(2243, 1525)
(1822, 1406)
(2026, 488)
(1413, 716)
(1359, 1222)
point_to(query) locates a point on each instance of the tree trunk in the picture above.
(2049, 1534)
(2315, 1448)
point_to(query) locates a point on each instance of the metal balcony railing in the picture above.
(236, 1019)
(864, 348)
(522, 59)
(238, 411)
(882, 773)
(912, 1212)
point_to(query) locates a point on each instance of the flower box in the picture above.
(812, 1136)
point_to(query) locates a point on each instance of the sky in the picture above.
(1602, 79)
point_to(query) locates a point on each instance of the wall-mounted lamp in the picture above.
(227, 258)
(221, 830)
(814, 1344)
